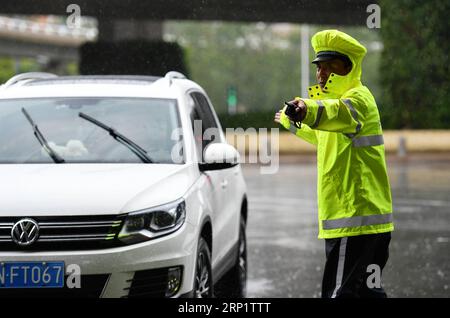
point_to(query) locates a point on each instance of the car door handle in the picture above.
(224, 184)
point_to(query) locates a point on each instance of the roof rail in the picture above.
(173, 74)
(27, 77)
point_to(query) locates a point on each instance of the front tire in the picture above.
(203, 287)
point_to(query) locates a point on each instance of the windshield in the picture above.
(148, 122)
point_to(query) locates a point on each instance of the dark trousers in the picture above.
(349, 266)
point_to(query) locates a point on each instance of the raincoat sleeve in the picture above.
(306, 133)
(336, 115)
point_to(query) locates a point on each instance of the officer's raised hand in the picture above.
(296, 113)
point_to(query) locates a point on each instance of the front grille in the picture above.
(149, 283)
(91, 287)
(66, 233)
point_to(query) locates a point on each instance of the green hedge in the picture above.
(263, 119)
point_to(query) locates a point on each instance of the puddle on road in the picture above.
(259, 287)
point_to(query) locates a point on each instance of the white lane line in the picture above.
(396, 201)
(443, 239)
(423, 202)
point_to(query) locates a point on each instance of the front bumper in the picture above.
(115, 268)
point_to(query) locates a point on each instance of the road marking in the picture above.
(443, 239)
(434, 203)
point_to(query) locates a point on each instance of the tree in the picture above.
(414, 64)
(263, 67)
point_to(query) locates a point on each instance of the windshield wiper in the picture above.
(56, 158)
(135, 148)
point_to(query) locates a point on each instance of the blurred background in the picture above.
(250, 56)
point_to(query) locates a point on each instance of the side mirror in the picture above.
(219, 156)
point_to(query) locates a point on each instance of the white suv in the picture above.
(117, 186)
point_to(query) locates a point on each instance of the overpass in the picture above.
(337, 12)
(20, 37)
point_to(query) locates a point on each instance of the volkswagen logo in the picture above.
(25, 232)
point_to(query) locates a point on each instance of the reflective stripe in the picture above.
(357, 221)
(366, 141)
(354, 113)
(319, 113)
(340, 267)
(292, 127)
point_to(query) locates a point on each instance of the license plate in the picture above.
(32, 275)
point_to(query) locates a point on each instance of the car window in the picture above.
(205, 109)
(201, 111)
(147, 122)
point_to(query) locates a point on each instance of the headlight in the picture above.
(154, 222)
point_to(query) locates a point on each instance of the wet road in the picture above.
(286, 259)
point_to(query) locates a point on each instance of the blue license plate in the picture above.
(32, 275)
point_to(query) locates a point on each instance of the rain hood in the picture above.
(334, 40)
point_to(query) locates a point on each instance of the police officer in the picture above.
(341, 118)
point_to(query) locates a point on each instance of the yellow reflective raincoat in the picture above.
(342, 120)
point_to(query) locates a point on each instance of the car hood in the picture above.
(87, 189)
